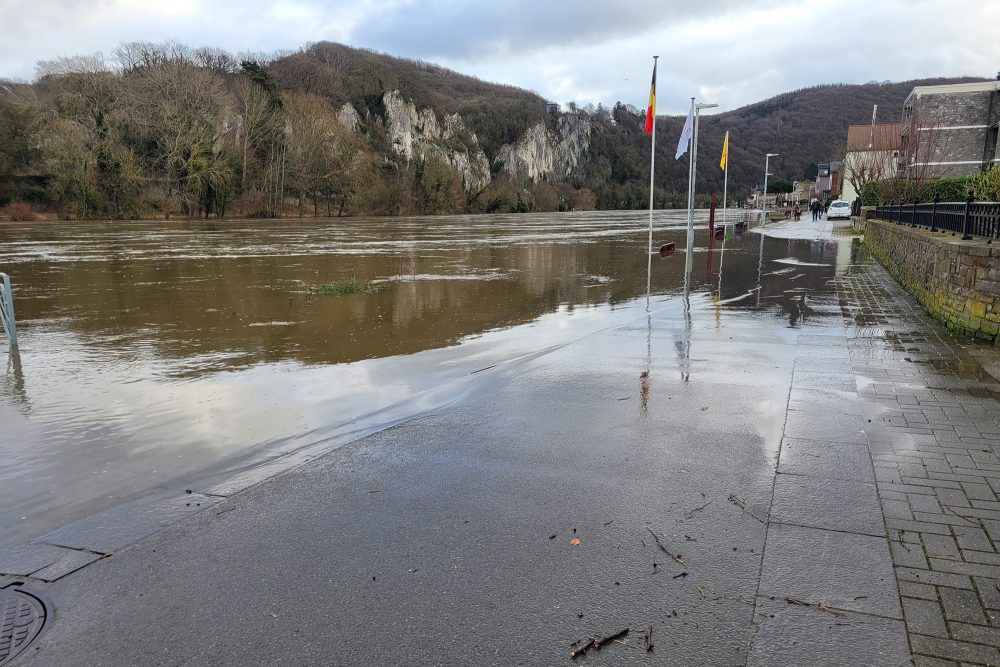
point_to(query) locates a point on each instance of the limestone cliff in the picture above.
(417, 133)
(348, 117)
(543, 152)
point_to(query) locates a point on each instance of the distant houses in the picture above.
(950, 130)
(946, 131)
(829, 178)
(872, 153)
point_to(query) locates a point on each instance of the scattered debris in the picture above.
(739, 503)
(574, 542)
(625, 399)
(676, 557)
(610, 638)
(701, 591)
(678, 576)
(609, 522)
(415, 569)
(187, 491)
(552, 536)
(704, 408)
(648, 640)
(698, 509)
(228, 509)
(582, 649)
(820, 605)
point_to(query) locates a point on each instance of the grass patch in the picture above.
(349, 286)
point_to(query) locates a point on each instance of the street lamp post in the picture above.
(692, 174)
(767, 162)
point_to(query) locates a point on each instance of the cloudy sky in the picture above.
(728, 51)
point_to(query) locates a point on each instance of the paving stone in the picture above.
(961, 605)
(827, 503)
(922, 503)
(826, 459)
(829, 428)
(924, 617)
(70, 562)
(896, 509)
(947, 648)
(908, 555)
(117, 527)
(796, 635)
(989, 591)
(23, 559)
(979, 491)
(845, 570)
(978, 634)
(940, 546)
(922, 591)
(925, 661)
(933, 578)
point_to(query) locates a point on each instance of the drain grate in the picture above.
(22, 617)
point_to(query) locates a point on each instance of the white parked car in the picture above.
(839, 209)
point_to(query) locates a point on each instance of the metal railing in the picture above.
(969, 218)
(7, 310)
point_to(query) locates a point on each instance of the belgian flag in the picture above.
(651, 109)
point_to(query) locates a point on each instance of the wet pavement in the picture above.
(719, 468)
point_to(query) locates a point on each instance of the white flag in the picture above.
(682, 143)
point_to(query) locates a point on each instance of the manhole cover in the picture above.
(22, 617)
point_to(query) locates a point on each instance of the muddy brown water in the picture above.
(157, 353)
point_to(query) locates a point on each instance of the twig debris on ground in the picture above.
(677, 557)
(742, 505)
(580, 650)
(819, 605)
(648, 640)
(698, 509)
(610, 638)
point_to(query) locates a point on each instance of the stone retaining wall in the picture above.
(957, 281)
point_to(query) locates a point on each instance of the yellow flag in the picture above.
(725, 152)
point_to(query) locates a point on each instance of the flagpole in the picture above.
(690, 218)
(652, 167)
(725, 186)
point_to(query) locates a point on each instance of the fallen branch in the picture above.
(739, 503)
(601, 642)
(821, 605)
(648, 644)
(676, 557)
(582, 649)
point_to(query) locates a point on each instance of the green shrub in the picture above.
(986, 186)
(349, 286)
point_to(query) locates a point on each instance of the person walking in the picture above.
(814, 207)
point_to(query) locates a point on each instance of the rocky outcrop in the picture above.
(348, 117)
(542, 152)
(417, 133)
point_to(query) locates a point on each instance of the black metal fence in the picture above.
(969, 218)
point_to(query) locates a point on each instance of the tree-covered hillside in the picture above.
(166, 130)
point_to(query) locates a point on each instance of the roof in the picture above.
(880, 137)
(954, 88)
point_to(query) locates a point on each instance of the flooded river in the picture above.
(155, 355)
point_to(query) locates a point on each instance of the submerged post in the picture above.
(7, 310)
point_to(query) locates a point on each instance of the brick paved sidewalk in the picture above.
(933, 424)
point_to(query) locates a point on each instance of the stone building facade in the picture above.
(950, 130)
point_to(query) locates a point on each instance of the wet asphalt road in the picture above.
(450, 539)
